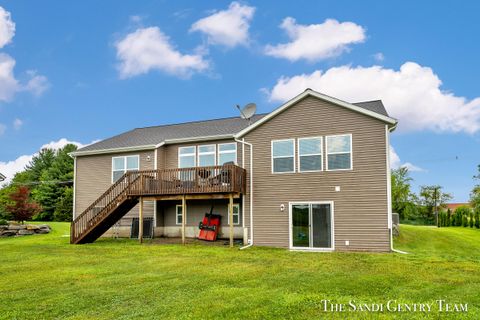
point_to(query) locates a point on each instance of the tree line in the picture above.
(43, 191)
(429, 205)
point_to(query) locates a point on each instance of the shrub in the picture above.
(477, 218)
(449, 218)
(465, 221)
(471, 219)
(3, 222)
(22, 208)
(460, 212)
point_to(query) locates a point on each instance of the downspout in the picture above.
(243, 142)
(389, 190)
(74, 214)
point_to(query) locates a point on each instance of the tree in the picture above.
(22, 208)
(432, 198)
(449, 217)
(460, 212)
(53, 182)
(470, 220)
(465, 221)
(477, 218)
(475, 194)
(402, 197)
(63, 209)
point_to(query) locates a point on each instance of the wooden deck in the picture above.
(227, 181)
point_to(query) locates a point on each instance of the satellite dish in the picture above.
(248, 111)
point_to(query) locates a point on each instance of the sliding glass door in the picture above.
(311, 225)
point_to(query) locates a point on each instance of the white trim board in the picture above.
(310, 92)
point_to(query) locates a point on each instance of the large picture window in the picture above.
(227, 152)
(309, 154)
(120, 165)
(186, 157)
(206, 155)
(339, 152)
(283, 156)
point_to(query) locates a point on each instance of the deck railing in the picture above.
(213, 179)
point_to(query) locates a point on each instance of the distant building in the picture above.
(453, 206)
(2, 177)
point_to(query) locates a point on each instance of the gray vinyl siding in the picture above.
(361, 210)
(196, 210)
(94, 177)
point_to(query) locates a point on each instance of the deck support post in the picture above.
(184, 217)
(230, 218)
(140, 221)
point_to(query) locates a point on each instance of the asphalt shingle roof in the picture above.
(217, 127)
(157, 134)
(375, 106)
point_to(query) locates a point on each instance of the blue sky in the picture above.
(87, 70)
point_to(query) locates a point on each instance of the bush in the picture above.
(465, 221)
(460, 212)
(449, 218)
(3, 222)
(477, 218)
(22, 208)
(471, 219)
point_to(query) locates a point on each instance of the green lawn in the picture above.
(44, 277)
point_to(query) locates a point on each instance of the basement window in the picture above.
(178, 214)
(283, 156)
(120, 165)
(339, 152)
(236, 214)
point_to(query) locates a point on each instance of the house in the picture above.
(2, 177)
(312, 175)
(454, 206)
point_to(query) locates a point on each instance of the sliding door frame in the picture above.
(290, 221)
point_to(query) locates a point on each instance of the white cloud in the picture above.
(37, 84)
(396, 163)
(9, 168)
(8, 84)
(149, 49)
(7, 27)
(17, 124)
(3, 128)
(316, 41)
(412, 94)
(227, 27)
(379, 57)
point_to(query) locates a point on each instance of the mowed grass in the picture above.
(44, 277)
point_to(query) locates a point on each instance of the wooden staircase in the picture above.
(125, 193)
(104, 212)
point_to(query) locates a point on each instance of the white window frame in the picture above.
(351, 151)
(178, 215)
(214, 152)
(194, 154)
(272, 157)
(235, 205)
(227, 151)
(125, 164)
(310, 154)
